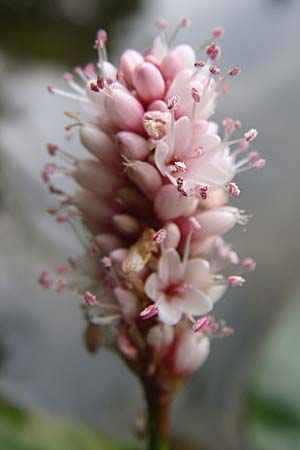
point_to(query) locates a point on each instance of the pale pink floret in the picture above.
(191, 353)
(178, 287)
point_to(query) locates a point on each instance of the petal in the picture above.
(196, 302)
(162, 156)
(152, 287)
(216, 293)
(169, 311)
(183, 132)
(197, 272)
(170, 268)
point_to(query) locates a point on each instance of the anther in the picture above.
(149, 312)
(201, 324)
(235, 280)
(160, 236)
(213, 51)
(259, 164)
(233, 190)
(214, 70)
(217, 32)
(234, 71)
(251, 135)
(89, 299)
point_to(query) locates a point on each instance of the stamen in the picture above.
(217, 32)
(44, 280)
(213, 51)
(251, 135)
(184, 23)
(249, 263)
(259, 164)
(160, 236)
(68, 77)
(79, 71)
(234, 71)
(194, 227)
(89, 299)
(66, 94)
(149, 312)
(200, 324)
(196, 98)
(173, 104)
(233, 190)
(235, 280)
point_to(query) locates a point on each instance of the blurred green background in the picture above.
(247, 396)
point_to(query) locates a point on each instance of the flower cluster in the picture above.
(151, 203)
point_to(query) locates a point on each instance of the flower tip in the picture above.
(201, 324)
(68, 76)
(249, 264)
(89, 299)
(161, 24)
(217, 32)
(236, 280)
(149, 312)
(185, 22)
(259, 164)
(233, 190)
(234, 71)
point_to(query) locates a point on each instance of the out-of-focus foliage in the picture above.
(21, 431)
(274, 400)
(60, 30)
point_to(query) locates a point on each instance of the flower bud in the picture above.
(128, 62)
(133, 146)
(171, 66)
(160, 336)
(217, 221)
(133, 200)
(125, 111)
(146, 177)
(170, 204)
(191, 352)
(148, 82)
(126, 224)
(99, 144)
(95, 177)
(92, 206)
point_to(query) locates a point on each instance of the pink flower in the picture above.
(179, 288)
(150, 204)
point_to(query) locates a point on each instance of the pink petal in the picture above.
(162, 156)
(197, 272)
(170, 204)
(183, 132)
(170, 268)
(196, 302)
(152, 287)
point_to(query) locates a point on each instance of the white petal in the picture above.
(169, 311)
(191, 352)
(196, 302)
(152, 286)
(216, 292)
(197, 272)
(170, 268)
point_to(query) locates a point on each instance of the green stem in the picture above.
(158, 406)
